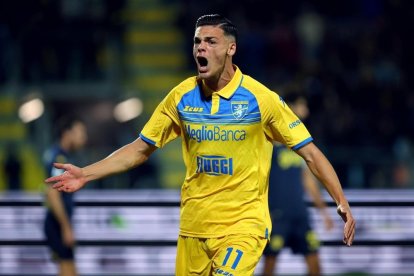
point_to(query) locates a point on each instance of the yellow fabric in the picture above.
(230, 255)
(227, 148)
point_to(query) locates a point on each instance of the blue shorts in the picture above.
(54, 240)
(295, 234)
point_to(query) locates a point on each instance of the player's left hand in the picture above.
(349, 229)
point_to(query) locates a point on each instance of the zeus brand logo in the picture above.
(188, 108)
(214, 165)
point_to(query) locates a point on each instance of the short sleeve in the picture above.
(163, 126)
(281, 124)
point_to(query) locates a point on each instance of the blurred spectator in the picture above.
(402, 169)
(58, 40)
(283, 53)
(402, 175)
(310, 29)
(13, 167)
(252, 44)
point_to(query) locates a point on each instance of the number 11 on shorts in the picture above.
(236, 261)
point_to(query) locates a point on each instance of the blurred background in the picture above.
(352, 60)
(112, 61)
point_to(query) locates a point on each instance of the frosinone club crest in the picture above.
(239, 109)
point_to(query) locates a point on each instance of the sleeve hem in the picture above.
(147, 140)
(303, 143)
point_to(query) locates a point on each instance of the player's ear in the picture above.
(232, 49)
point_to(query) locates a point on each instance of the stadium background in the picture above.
(351, 59)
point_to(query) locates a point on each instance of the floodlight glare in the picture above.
(128, 110)
(31, 110)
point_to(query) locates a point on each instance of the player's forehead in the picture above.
(209, 31)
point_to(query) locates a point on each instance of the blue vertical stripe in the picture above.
(237, 260)
(229, 250)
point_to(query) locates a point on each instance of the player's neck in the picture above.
(217, 83)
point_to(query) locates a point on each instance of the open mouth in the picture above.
(202, 61)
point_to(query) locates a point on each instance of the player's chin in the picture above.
(203, 75)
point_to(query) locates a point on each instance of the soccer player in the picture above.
(227, 122)
(58, 228)
(290, 218)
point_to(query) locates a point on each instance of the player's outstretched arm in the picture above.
(325, 173)
(123, 159)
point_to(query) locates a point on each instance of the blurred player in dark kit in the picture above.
(289, 176)
(58, 229)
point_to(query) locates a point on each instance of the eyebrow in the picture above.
(206, 38)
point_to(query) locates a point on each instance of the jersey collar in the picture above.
(228, 90)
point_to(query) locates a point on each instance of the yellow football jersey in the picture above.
(227, 148)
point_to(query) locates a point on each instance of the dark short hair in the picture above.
(65, 123)
(218, 20)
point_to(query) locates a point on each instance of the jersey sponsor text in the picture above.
(214, 133)
(214, 165)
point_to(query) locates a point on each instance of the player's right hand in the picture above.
(70, 181)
